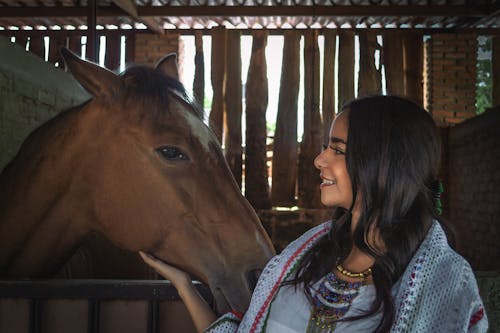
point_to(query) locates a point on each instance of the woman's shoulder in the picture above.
(309, 238)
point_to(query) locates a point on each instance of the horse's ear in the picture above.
(168, 65)
(98, 81)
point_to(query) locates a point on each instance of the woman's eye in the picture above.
(172, 153)
(338, 151)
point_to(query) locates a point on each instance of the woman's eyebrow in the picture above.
(334, 139)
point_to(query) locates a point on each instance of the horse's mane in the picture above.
(151, 86)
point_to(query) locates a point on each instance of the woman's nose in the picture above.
(318, 161)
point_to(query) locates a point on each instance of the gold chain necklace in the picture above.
(345, 272)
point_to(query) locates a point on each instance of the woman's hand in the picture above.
(201, 313)
(177, 277)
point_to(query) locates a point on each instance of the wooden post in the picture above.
(37, 46)
(393, 62)
(129, 49)
(92, 39)
(199, 69)
(75, 45)
(256, 186)
(495, 61)
(285, 137)
(233, 96)
(413, 66)
(112, 60)
(55, 44)
(369, 82)
(22, 41)
(328, 82)
(218, 78)
(346, 67)
(309, 180)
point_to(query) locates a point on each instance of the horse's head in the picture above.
(159, 181)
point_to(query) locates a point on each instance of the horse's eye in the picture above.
(172, 153)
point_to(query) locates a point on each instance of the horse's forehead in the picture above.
(198, 129)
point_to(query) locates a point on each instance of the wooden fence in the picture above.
(293, 180)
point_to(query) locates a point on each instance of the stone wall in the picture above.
(451, 77)
(31, 92)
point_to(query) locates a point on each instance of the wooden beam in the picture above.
(91, 52)
(495, 63)
(130, 8)
(393, 62)
(413, 66)
(310, 147)
(329, 92)
(346, 68)
(369, 79)
(234, 106)
(285, 137)
(256, 186)
(199, 70)
(218, 77)
(316, 11)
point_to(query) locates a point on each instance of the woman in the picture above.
(383, 263)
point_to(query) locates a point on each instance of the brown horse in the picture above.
(137, 166)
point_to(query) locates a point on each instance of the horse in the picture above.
(135, 166)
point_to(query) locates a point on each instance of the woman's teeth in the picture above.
(328, 182)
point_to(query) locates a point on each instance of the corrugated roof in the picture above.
(197, 14)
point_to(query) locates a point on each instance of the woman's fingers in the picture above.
(175, 275)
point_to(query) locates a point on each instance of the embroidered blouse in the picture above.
(436, 293)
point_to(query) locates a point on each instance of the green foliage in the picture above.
(484, 77)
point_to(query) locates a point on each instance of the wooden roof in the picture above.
(197, 14)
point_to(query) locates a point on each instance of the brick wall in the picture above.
(474, 188)
(451, 77)
(149, 48)
(31, 92)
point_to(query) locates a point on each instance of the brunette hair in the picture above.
(392, 156)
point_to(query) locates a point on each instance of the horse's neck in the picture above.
(37, 229)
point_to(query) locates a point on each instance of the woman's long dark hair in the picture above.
(392, 155)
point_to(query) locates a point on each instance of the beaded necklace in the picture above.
(331, 301)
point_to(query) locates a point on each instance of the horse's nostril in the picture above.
(253, 277)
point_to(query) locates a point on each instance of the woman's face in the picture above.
(336, 190)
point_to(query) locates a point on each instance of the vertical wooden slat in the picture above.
(393, 62)
(92, 39)
(285, 137)
(369, 81)
(94, 316)
(413, 66)
(22, 41)
(234, 104)
(37, 46)
(129, 49)
(199, 69)
(495, 62)
(346, 67)
(256, 186)
(328, 82)
(55, 45)
(218, 78)
(153, 317)
(75, 45)
(112, 58)
(309, 181)
(35, 316)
